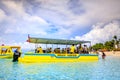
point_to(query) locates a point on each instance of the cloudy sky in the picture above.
(92, 20)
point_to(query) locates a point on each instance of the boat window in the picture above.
(3, 50)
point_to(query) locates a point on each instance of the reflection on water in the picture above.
(107, 69)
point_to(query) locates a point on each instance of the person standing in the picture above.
(72, 49)
(16, 55)
(39, 50)
(103, 55)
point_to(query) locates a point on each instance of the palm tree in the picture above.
(115, 37)
(115, 43)
(119, 43)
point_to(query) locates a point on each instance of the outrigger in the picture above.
(56, 55)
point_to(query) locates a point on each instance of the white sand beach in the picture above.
(112, 53)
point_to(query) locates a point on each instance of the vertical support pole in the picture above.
(57, 45)
(90, 47)
(66, 48)
(36, 46)
(52, 48)
(46, 48)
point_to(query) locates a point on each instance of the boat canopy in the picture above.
(55, 41)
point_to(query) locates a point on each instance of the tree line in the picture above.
(113, 44)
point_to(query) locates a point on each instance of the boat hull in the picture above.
(58, 57)
(6, 56)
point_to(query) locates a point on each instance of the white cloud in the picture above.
(18, 21)
(101, 34)
(61, 13)
(36, 19)
(93, 11)
(66, 16)
(14, 7)
(2, 15)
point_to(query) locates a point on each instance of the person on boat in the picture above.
(63, 50)
(36, 50)
(103, 55)
(50, 49)
(16, 55)
(68, 50)
(85, 49)
(72, 49)
(80, 49)
(3, 51)
(39, 50)
(77, 50)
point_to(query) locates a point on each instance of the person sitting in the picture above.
(80, 49)
(85, 49)
(50, 50)
(68, 50)
(63, 50)
(3, 51)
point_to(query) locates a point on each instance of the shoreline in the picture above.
(112, 53)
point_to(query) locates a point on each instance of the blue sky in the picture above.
(93, 20)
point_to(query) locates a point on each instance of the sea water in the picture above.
(103, 69)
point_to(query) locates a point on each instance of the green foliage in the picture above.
(109, 45)
(98, 46)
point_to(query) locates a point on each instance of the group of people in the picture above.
(83, 50)
(70, 50)
(79, 49)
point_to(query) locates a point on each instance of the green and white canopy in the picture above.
(55, 41)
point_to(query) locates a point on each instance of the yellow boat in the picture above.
(56, 57)
(8, 51)
(46, 57)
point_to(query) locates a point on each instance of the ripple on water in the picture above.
(107, 69)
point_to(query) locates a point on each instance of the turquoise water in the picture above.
(108, 69)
